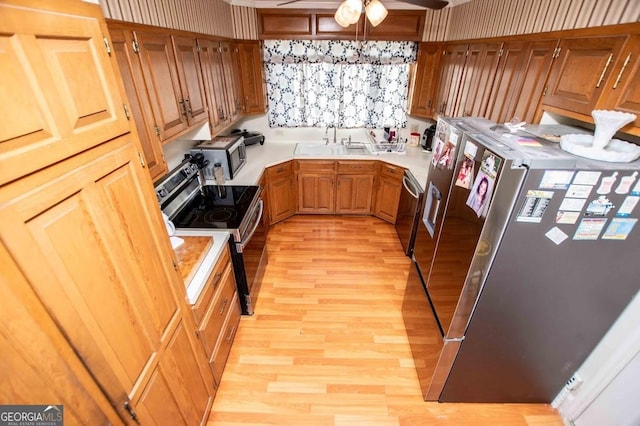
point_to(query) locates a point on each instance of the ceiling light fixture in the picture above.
(349, 12)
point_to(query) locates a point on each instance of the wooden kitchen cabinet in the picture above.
(233, 88)
(316, 183)
(532, 76)
(160, 72)
(139, 103)
(282, 191)
(213, 77)
(582, 71)
(89, 256)
(477, 81)
(252, 77)
(190, 77)
(623, 92)
(505, 81)
(354, 186)
(48, 113)
(450, 78)
(389, 187)
(423, 100)
(212, 313)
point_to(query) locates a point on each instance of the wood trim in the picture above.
(318, 24)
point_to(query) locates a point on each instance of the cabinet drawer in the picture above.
(211, 287)
(392, 171)
(358, 166)
(223, 346)
(217, 310)
(283, 169)
(325, 166)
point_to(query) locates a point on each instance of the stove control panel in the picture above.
(174, 180)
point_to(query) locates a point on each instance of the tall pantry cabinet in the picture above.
(96, 316)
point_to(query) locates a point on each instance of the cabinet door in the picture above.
(388, 198)
(231, 79)
(213, 76)
(532, 77)
(426, 79)
(452, 65)
(190, 76)
(581, 72)
(505, 81)
(282, 196)
(48, 112)
(89, 238)
(38, 364)
(316, 192)
(175, 394)
(354, 194)
(139, 103)
(623, 92)
(252, 77)
(161, 78)
(477, 79)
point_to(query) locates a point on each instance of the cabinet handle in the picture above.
(188, 103)
(131, 411)
(216, 279)
(221, 113)
(224, 305)
(626, 61)
(604, 70)
(182, 108)
(231, 333)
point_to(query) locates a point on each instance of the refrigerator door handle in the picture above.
(432, 207)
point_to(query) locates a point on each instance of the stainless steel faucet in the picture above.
(326, 131)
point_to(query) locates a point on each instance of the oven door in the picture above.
(249, 256)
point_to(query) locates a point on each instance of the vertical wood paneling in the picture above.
(212, 17)
(493, 18)
(245, 22)
(436, 25)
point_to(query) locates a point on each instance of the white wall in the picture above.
(610, 392)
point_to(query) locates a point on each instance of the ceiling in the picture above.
(325, 4)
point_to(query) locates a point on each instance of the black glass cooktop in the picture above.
(221, 207)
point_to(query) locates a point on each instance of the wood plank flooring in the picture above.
(327, 344)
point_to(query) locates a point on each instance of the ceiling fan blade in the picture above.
(429, 4)
(287, 2)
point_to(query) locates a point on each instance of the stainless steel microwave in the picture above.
(229, 151)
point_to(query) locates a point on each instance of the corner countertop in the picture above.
(197, 257)
(272, 153)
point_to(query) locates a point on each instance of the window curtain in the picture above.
(346, 84)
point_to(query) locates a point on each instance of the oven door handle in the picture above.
(240, 246)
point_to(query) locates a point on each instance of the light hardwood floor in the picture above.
(327, 345)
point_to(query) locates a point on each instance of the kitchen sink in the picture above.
(322, 149)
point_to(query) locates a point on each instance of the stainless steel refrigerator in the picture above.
(525, 280)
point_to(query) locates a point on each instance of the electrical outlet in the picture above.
(574, 382)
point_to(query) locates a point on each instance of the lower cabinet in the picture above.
(354, 189)
(389, 187)
(282, 191)
(174, 387)
(316, 182)
(217, 314)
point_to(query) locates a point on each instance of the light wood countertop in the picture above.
(190, 255)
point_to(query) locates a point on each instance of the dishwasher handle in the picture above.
(410, 186)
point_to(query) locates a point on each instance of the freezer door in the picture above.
(565, 269)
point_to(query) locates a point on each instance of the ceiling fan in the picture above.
(349, 11)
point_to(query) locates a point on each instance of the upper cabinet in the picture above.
(623, 92)
(252, 77)
(582, 70)
(425, 80)
(48, 113)
(139, 103)
(450, 77)
(311, 24)
(190, 78)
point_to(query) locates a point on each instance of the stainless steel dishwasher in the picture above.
(409, 211)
